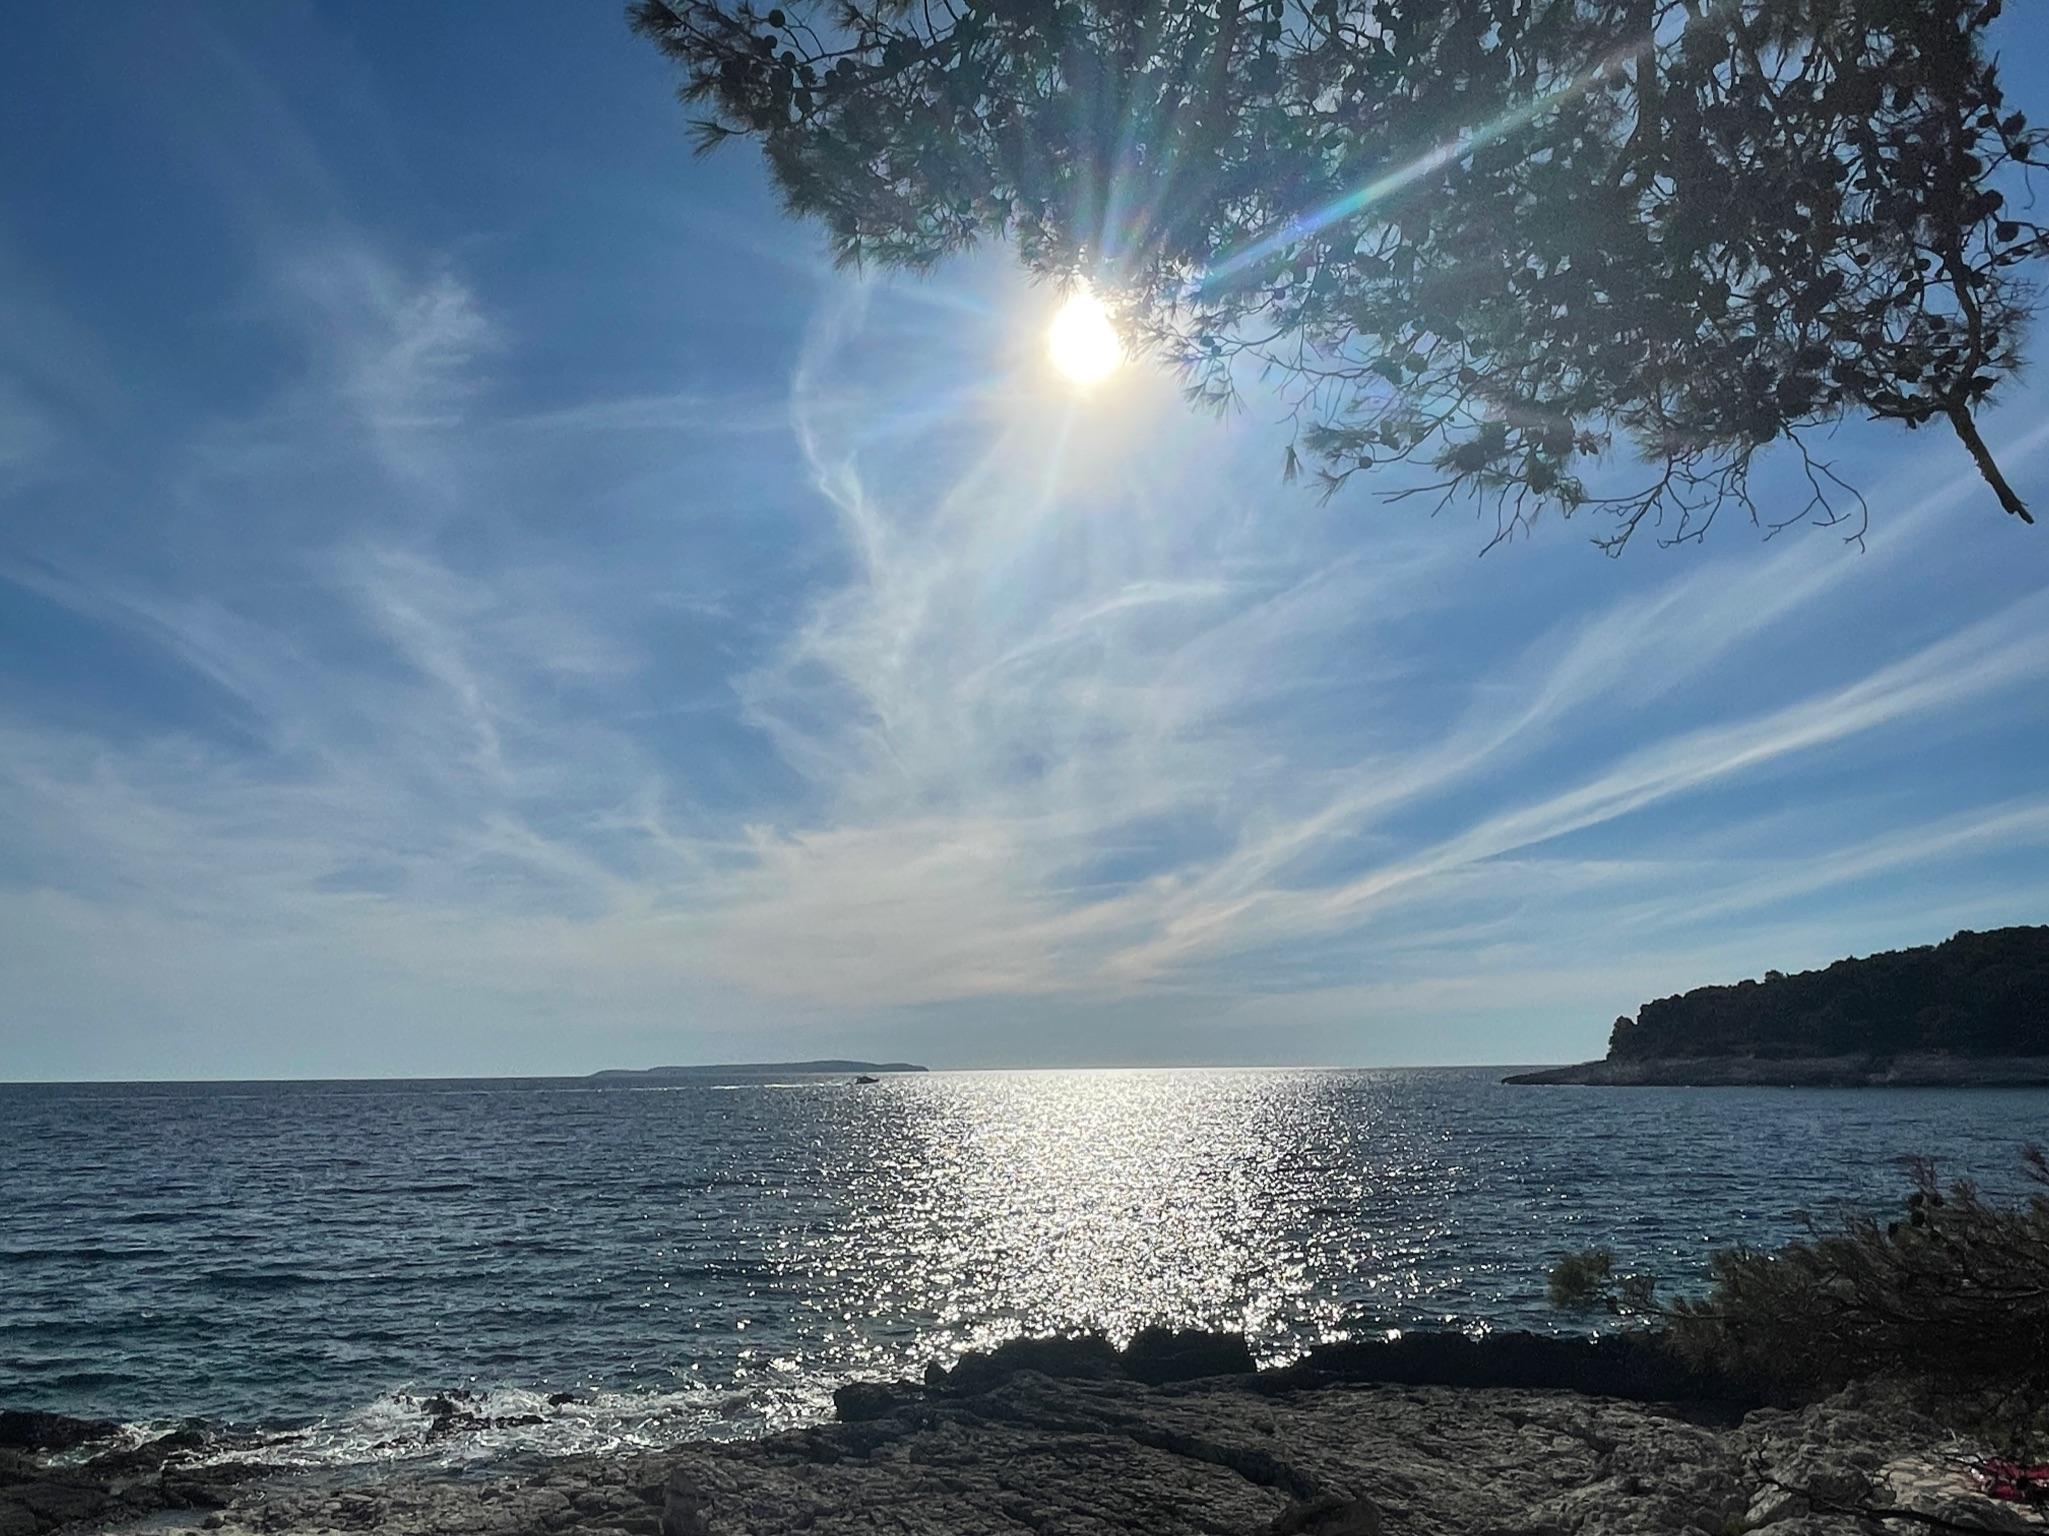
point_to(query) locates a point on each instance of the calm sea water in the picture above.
(713, 1257)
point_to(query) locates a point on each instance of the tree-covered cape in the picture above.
(1977, 994)
(1486, 236)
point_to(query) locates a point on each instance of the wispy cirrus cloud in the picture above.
(453, 685)
(969, 797)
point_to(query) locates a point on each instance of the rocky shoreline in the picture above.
(1923, 1070)
(63, 1474)
(1074, 1437)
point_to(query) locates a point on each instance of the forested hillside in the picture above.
(1978, 994)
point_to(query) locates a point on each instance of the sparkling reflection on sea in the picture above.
(712, 1257)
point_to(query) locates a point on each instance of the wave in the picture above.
(391, 1188)
(462, 1428)
(240, 1281)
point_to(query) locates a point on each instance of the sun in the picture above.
(1082, 342)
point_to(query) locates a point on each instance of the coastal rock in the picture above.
(1036, 1454)
(1093, 1452)
(175, 1471)
(456, 1412)
(1160, 1355)
(24, 1430)
(121, 1483)
(860, 1402)
(1155, 1356)
(1084, 1456)
(1629, 1365)
(1092, 1456)
(1331, 1515)
(1087, 1357)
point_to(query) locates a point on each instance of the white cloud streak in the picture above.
(1065, 705)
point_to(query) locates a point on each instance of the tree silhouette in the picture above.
(1491, 237)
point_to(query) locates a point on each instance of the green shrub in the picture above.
(1583, 1281)
(1953, 1295)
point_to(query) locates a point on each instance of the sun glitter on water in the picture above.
(1082, 341)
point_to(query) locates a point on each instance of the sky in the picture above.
(479, 594)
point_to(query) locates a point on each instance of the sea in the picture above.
(596, 1265)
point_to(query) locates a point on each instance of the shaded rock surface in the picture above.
(51, 1491)
(1158, 1355)
(1089, 1456)
(33, 1431)
(1631, 1365)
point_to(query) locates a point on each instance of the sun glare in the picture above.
(1082, 342)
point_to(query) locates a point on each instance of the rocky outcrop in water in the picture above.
(1305, 1452)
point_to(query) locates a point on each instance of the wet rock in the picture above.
(121, 1484)
(1159, 1355)
(860, 1402)
(29, 1430)
(1088, 1357)
(455, 1413)
(137, 1461)
(1101, 1454)
(1155, 1356)
(208, 1488)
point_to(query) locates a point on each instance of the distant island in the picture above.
(1973, 1010)
(760, 1069)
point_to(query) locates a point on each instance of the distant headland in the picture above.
(1971, 1011)
(761, 1069)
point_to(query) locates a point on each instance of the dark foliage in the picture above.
(1487, 236)
(1954, 1295)
(1977, 994)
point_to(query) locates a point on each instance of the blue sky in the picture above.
(480, 595)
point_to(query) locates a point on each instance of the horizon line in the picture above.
(607, 1073)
